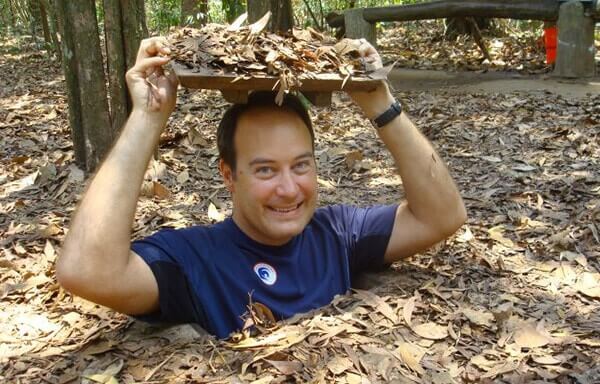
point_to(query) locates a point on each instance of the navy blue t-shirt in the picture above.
(205, 273)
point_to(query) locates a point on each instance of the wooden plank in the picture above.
(235, 97)
(319, 99)
(319, 83)
(441, 9)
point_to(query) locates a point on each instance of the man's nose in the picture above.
(288, 187)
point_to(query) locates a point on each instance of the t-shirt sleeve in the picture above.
(365, 231)
(177, 301)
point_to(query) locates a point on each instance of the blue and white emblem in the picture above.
(266, 273)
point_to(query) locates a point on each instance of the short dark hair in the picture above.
(257, 99)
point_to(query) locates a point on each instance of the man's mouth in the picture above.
(285, 210)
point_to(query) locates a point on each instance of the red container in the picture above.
(550, 39)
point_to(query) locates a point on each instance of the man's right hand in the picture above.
(152, 91)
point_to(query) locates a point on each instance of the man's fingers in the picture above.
(172, 78)
(366, 49)
(149, 64)
(152, 47)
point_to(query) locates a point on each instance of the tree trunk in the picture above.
(50, 7)
(134, 28)
(84, 74)
(44, 22)
(441, 9)
(115, 61)
(457, 26)
(34, 19)
(232, 9)
(282, 17)
(194, 12)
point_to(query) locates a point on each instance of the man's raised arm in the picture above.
(96, 262)
(433, 209)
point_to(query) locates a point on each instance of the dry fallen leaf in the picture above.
(481, 318)
(378, 304)
(339, 365)
(408, 309)
(530, 337)
(286, 367)
(411, 356)
(160, 191)
(432, 331)
(589, 284)
(214, 214)
(183, 177)
(546, 360)
(496, 233)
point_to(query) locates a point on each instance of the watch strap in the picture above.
(390, 114)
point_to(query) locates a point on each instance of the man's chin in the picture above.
(284, 232)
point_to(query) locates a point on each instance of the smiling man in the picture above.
(278, 246)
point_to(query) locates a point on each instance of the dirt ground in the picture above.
(512, 297)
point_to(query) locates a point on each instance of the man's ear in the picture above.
(227, 174)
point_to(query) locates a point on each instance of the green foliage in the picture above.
(162, 14)
(313, 12)
(232, 9)
(15, 16)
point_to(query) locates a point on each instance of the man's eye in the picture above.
(302, 166)
(264, 170)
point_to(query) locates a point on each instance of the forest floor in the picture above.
(513, 296)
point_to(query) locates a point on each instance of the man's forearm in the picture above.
(100, 232)
(430, 191)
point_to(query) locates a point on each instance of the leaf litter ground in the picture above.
(513, 297)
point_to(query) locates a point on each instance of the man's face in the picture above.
(274, 190)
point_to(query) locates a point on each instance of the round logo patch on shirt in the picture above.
(266, 273)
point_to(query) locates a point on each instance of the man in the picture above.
(277, 246)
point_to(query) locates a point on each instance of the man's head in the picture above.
(268, 165)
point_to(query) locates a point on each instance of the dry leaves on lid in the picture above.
(250, 51)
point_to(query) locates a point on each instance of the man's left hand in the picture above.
(375, 102)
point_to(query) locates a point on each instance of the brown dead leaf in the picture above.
(530, 337)
(408, 309)
(497, 233)
(378, 304)
(339, 365)
(160, 191)
(261, 24)
(478, 317)
(183, 177)
(49, 251)
(353, 157)
(546, 360)
(589, 284)
(286, 367)
(214, 214)
(237, 23)
(432, 331)
(411, 356)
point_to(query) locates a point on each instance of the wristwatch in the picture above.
(392, 112)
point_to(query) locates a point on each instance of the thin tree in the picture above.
(95, 124)
(194, 12)
(282, 17)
